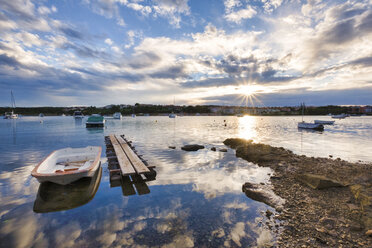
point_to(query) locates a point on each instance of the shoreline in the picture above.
(327, 202)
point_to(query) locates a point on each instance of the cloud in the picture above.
(24, 12)
(357, 96)
(108, 41)
(240, 15)
(71, 32)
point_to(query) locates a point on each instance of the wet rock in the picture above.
(263, 193)
(213, 149)
(223, 150)
(363, 194)
(318, 181)
(172, 147)
(193, 147)
(268, 213)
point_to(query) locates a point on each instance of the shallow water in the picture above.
(196, 199)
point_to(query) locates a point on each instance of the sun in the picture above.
(247, 90)
(248, 94)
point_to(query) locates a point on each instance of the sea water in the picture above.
(195, 200)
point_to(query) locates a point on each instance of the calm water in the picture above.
(196, 199)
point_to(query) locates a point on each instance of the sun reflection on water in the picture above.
(247, 127)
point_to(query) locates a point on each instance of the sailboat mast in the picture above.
(303, 106)
(12, 100)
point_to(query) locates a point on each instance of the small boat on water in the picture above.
(41, 115)
(117, 115)
(11, 115)
(307, 125)
(133, 115)
(324, 122)
(78, 115)
(67, 165)
(172, 115)
(95, 120)
(341, 116)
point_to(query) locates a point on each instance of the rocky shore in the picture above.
(322, 202)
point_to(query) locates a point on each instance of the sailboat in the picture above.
(307, 125)
(11, 115)
(173, 115)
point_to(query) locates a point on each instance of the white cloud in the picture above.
(240, 15)
(108, 41)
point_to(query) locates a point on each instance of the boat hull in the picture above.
(67, 176)
(313, 126)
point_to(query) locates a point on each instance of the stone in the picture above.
(213, 149)
(318, 181)
(193, 147)
(172, 147)
(263, 193)
(369, 233)
(268, 213)
(223, 150)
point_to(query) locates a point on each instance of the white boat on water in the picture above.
(341, 116)
(324, 122)
(307, 125)
(68, 165)
(78, 115)
(11, 115)
(117, 115)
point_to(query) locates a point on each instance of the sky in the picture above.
(218, 52)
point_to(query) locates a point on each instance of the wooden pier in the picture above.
(127, 168)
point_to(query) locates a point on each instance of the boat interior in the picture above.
(68, 159)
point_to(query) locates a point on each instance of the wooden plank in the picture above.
(140, 185)
(137, 163)
(125, 165)
(127, 187)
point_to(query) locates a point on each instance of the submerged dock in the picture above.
(126, 167)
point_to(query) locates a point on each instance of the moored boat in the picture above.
(95, 120)
(68, 165)
(324, 122)
(340, 116)
(78, 114)
(41, 115)
(172, 115)
(11, 115)
(117, 115)
(314, 126)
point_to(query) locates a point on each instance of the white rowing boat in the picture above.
(314, 126)
(68, 165)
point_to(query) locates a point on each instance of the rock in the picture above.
(223, 150)
(213, 149)
(172, 147)
(363, 194)
(268, 213)
(263, 193)
(369, 233)
(193, 147)
(318, 181)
